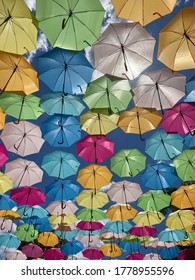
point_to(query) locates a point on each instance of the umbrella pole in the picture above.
(95, 148)
(192, 133)
(130, 172)
(189, 198)
(186, 234)
(22, 175)
(127, 206)
(157, 88)
(17, 147)
(165, 149)
(139, 126)
(61, 159)
(155, 206)
(109, 109)
(157, 171)
(14, 70)
(62, 131)
(123, 52)
(188, 38)
(99, 121)
(20, 113)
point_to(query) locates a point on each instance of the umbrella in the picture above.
(169, 253)
(138, 10)
(95, 148)
(2, 119)
(164, 146)
(94, 176)
(32, 251)
(159, 89)
(77, 24)
(171, 235)
(120, 212)
(61, 103)
(90, 215)
(5, 183)
(62, 190)
(97, 123)
(48, 239)
(152, 256)
(23, 172)
(135, 256)
(23, 139)
(60, 164)
(35, 211)
(185, 165)
(15, 255)
(128, 162)
(7, 225)
(186, 254)
(9, 214)
(94, 239)
(62, 207)
(117, 226)
(190, 86)
(68, 235)
(21, 107)
(91, 199)
(184, 197)
(127, 45)
(61, 131)
(159, 176)
(65, 71)
(139, 120)
(90, 226)
(142, 230)
(26, 233)
(148, 218)
(180, 219)
(17, 74)
(72, 247)
(111, 250)
(53, 254)
(176, 41)
(108, 92)
(189, 140)
(179, 119)
(92, 254)
(18, 32)
(3, 154)
(9, 240)
(61, 219)
(6, 203)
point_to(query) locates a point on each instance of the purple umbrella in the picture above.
(92, 254)
(32, 251)
(89, 225)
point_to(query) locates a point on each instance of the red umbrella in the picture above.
(95, 148)
(3, 155)
(135, 256)
(187, 254)
(179, 119)
(53, 254)
(93, 254)
(89, 225)
(32, 251)
(142, 230)
(27, 196)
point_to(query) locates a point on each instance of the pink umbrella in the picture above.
(89, 225)
(179, 119)
(92, 254)
(95, 148)
(53, 254)
(187, 254)
(142, 230)
(27, 196)
(3, 155)
(135, 256)
(32, 251)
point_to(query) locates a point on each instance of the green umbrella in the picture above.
(108, 92)
(90, 214)
(26, 232)
(128, 162)
(185, 165)
(71, 25)
(21, 107)
(153, 200)
(135, 238)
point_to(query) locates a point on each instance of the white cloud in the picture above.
(31, 4)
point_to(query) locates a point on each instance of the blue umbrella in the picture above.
(68, 235)
(60, 103)
(130, 246)
(159, 176)
(171, 235)
(32, 211)
(60, 164)
(65, 71)
(169, 253)
(6, 203)
(9, 240)
(40, 224)
(164, 146)
(117, 226)
(61, 131)
(62, 190)
(190, 85)
(189, 140)
(72, 247)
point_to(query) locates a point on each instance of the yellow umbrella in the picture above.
(2, 119)
(111, 250)
(139, 120)
(94, 176)
(17, 74)
(62, 219)
(148, 218)
(48, 239)
(97, 123)
(121, 212)
(9, 214)
(91, 200)
(18, 27)
(180, 219)
(143, 11)
(184, 197)
(176, 48)
(5, 183)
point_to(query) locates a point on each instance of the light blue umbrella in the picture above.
(72, 247)
(190, 85)
(169, 253)
(6, 203)
(159, 176)
(130, 246)
(9, 240)
(68, 235)
(32, 211)
(164, 146)
(60, 164)
(117, 226)
(62, 190)
(60, 103)
(171, 235)
(189, 140)
(40, 224)
(65, 71)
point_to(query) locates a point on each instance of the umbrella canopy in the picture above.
(142, 231)
(62, 207)
(91, 199)
(23, 139)
(148, 218)
(185, 165)
(139, 120)
(127, 45)
(7, 225)
(176, 41)
(117, 226)
(18, 31)
(60, 164)
(169, 253)
(95, 148)
(164, 146)
(138, 10)
(171, 235)
(111, 250)
(27, 195)
(108, 92)
(53, 254)
(184, 197)
(89, 226)
(128, 162)
(72, 247)
(77, 24)
(31, 212)
(180, 219)
(61, 219)
(90, 215)
(5, 183)
(2, 119)
(92, 254)
(65, 71)
(61, 131)
(15, 255)
(48, 239)
(6, 203)
(26, 233)
(159, 89)
(3, 154)
(186, 254)
(17, 74)
(120, 212)
(189, 140)
(32, 251)
(9, 240)
(23, 172)
(152, 256)
(135, 256)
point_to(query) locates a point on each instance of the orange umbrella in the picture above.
(121, 212)
(48, 239)
(2, 119)
(111, 250)
(184, 197)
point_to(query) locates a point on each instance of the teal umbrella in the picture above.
(60, 164)
(8, 241)
(172, 235)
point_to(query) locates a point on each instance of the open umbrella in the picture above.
(142, 230)
(127, 45)
(53, 254)
(62, 219)
(2, 119)
(7, 225)
(184, 197)
(48, 239)
(148, 218)
(169, 253)
(171, 235)
(120, 212)
(26, 233)
(15, 255)
(5, 183)
(117, 226)
(111, 250)
(186, 254)
(91, 226)
(177, 41)
(77, 23)
(6, 203)
(91, 200)
(135, 256)
(128, 162)
(92, 254)
(62, 207)
(64, 71)
(72, 247)
(9, 240)
(180, 219)
(23, 139)
(31, 212)
(90, 215)
(3, 155)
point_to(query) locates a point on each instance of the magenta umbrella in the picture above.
(53, 254)
(179, 119)
(92, 254)
(135, 256)
(187, 254)
(3, 155)
(142, 230)
(32, 251)
(95, 148)
(27, 196)
(89, 225)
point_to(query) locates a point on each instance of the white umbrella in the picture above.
(15, 255)
(152, 256)
(62, 207)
